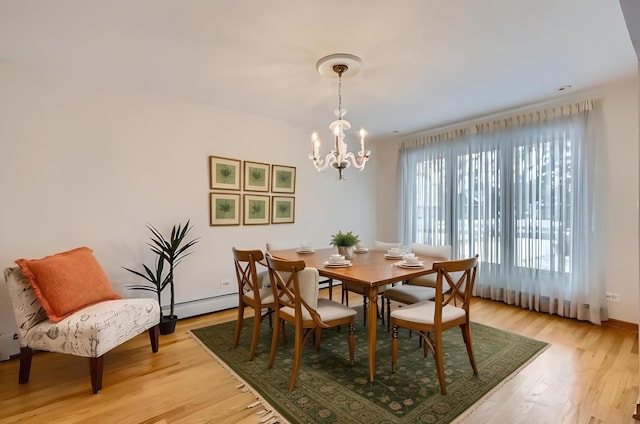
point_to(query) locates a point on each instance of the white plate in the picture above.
(337, 264)
(363, 250)
(404, 264)
(388, 256)
(306, 251)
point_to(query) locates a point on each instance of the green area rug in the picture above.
(328, 390)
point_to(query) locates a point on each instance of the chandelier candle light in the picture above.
(339, 158)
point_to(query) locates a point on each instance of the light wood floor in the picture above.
(589, 374)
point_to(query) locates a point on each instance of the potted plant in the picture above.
(345, 243)
(168, 252)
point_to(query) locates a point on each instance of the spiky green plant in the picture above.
(172, 251)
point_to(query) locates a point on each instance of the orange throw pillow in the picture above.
(67, 282)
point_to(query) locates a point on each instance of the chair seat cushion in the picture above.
(96, 329)
(327, 309)
(423, 312)
(408, 293)
(67, 282)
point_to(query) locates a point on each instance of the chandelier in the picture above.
(339, 158)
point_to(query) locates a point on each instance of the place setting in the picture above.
(337, 261)
(409, 260)
(305, 249)
(394, 253)
(360, 248)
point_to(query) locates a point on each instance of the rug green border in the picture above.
(341, 392)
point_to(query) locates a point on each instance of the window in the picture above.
(516, 197)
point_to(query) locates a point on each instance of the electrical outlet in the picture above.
(613, 297)
(225, 283)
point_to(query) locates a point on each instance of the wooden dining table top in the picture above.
(370, 268)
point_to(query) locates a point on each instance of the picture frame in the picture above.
(256, 209)
(283, 209)
(256, 176)
(224, 173)
(224, 209)
(283, 179)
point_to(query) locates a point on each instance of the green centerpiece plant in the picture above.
(168, 252)
(345, 242)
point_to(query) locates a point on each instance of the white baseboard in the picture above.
(204, 306)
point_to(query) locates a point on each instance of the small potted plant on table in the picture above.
(345, 242)
(171, 252)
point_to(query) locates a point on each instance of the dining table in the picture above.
(368, 268)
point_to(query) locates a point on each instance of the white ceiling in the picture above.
(427, 63)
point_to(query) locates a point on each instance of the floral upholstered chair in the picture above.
(63, 303)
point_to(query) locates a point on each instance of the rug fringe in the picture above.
(266, 415)
(465, 414)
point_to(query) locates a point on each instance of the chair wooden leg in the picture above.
(352, 343)
(25, 364)
(257, 319)
(318, 337)
(394, 348)
(439, 361)
(154, 337)
(330, 288)
(95, 369)
(297, 355)
(236, 336)
(466, 335)
(274, 340)
(388, 315)
(364, 310)
(381, 307)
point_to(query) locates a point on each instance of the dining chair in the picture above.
(420, 288)
(449, 309)
(295, 289)
(294, 244)
(251, 293)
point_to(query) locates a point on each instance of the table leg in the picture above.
(373, 323)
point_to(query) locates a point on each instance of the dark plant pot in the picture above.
(168, 324)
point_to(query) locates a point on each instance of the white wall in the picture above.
(616, 116)
(91, 165)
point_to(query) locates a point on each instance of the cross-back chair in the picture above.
(293, 244)
(430, 318)
(251, 294)
(295, 289)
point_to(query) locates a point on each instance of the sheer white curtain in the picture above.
(520, 193)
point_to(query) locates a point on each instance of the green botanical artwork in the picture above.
(225, 174)
(283, 209)
(257, 209)
(225, 209)
(283, 179)
(257, 176)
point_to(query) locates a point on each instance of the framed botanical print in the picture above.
(224, 209)
(283, 179)
(256, 176)
(224, 173)
(282, 209)
(256, 209)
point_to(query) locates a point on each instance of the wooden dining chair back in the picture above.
(251, 294)
(297, 244)
(295, 290)
(449, 309)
